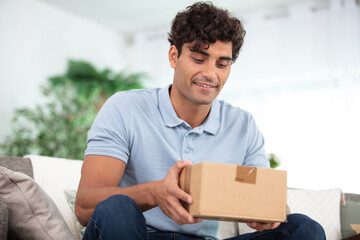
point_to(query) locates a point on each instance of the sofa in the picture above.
(37, 196)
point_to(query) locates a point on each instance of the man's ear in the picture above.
(173, 56)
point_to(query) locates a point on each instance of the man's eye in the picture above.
(222, 65)
(198, 60)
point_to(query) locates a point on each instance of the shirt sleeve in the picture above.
(109, 134)
(255, 152)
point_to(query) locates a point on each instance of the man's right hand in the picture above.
(100, 177)
(168, 194)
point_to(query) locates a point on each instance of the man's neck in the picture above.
(193, 114)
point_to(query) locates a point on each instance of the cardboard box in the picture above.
(235, 193)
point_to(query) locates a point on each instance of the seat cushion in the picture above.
(323, 206)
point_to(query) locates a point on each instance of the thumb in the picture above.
(180, 165)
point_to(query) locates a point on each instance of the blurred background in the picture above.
(298, 73)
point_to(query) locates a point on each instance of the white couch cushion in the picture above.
(55, 175)
(323, 206)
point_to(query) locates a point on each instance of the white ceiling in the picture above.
(129, 16)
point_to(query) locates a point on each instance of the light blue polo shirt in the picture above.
(141, 128)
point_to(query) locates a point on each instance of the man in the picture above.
(142, 139)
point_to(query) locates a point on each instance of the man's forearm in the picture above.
(88, 197)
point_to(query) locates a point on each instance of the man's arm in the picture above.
(100, 176)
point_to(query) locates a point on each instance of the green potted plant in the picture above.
(59, 127)
(274, 160)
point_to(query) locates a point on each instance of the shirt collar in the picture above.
(212, 122)
(167, 111)
(210, 125)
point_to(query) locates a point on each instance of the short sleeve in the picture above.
(109, 134)
(255, 152)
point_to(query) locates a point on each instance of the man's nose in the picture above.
(209, 71)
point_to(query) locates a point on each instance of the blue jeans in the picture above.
(119, 217)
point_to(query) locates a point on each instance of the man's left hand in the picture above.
(263, 226)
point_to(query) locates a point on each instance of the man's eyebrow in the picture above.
(203, 53)
(222, 58)
(226, 58)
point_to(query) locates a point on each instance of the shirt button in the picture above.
(187, 150)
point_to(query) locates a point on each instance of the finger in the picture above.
(180, 215)
(255, 225)
(171, 210)
(267, 226)
(179, 165)
(172, 213)
(251, 224)
(181, 218)
(263, 226)
(185, 215)
(274, 225)
(176, 211)
(182, 195)
(182, 212)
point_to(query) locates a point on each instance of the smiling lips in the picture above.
(204, 85)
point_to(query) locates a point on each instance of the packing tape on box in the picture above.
(246, 174)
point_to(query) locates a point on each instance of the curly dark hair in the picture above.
(205, 24)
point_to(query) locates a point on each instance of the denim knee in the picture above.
(117, 217)
(119, 205)
(118, 200)
(310, 228)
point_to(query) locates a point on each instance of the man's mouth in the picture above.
(204, 85)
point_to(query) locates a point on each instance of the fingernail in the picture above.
(190, 219)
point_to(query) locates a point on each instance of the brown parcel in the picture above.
(235, 193)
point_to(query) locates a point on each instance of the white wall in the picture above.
(299, 74)
(303, 86)
(149, 53)
(36, 40)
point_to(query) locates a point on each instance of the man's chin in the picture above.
(203, 101)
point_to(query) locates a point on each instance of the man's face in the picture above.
(200, 76)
